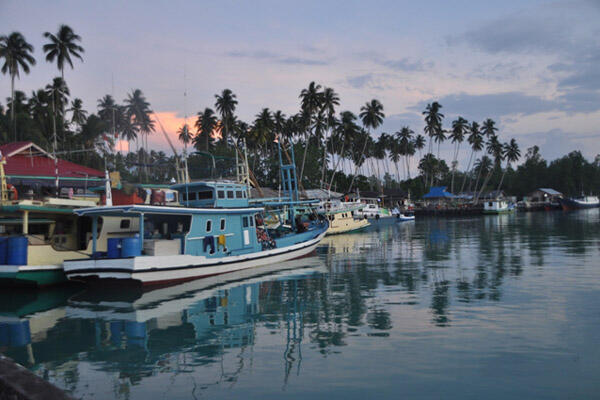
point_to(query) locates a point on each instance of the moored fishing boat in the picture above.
(215, 232)
(498, 207)
(38, 236)
(579, 203)
(342, 220)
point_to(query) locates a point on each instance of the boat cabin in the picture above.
(212, 194)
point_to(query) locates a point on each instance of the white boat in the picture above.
(497, 207)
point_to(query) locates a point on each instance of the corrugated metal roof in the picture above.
(40, 163)
(550, 191)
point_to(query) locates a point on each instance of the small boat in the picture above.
(341, 220)
(579, 203)
(214, 232)
(498, 207)
(374, 213)
(405, 217)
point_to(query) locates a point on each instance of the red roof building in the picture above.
(26, 160)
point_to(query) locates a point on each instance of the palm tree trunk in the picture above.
(485, 182)
(338, 161)
(362, 153)
(324, 161)
(502, 179)
(304, 158)
(12, 108)
(397, 171)
(462, 187)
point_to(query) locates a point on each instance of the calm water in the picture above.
(487, 307)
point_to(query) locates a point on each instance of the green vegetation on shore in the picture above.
(334, 148)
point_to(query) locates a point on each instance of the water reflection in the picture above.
(359, 293)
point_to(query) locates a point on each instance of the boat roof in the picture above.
(143, 209)
(345, 209)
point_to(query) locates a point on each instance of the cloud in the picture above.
(556, 143)
(516, 34)
(277, 58)
(406, 65)
(490, 105)
(360, 81)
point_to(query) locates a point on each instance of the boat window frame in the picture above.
(223, 224)
(230, 194)
(245, 223)
(125, 223)
(238, 194)
(221, 194)
(208, 226)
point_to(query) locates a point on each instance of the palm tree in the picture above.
(371, 115)
(420, 143)
(475, 139)
(459, 128)
(16, 53)
(330, 100)
(346, 130)
(62, 46)
(488, 128)
(263, 129)
(311, 99)
(484, 164)
(394, 147)
(496, 150)
(184, 134)
(511, 154)
(58, 93)
(404, 137)
(107, 108)
(138, 109)
(205, 126)
(225, 105)
(433, 121)
(79, 115)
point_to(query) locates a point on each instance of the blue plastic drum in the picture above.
(17, 250)
(113, 248)
(131, 247)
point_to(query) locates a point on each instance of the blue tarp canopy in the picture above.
(439, 192)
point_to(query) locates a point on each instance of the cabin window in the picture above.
(208, 225)
(244, 194)
(222, 224)
(192, 196)
(251, 221)
(125, 223)
(205, 194)
(245, 222)
(230, 194)
(490, 204)
(238, 194)
(184, 196)
(221, 194)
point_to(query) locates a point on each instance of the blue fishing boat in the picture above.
(214, 232)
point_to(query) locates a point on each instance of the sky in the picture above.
(530, 65)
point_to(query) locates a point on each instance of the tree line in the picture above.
(335, 149)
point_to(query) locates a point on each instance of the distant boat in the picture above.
(579, 203)
(498, 207)
(341, 220)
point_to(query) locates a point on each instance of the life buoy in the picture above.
(13, 191)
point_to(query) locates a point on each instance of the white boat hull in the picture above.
(149, 270)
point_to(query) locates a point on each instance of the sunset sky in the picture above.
(533, 66)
